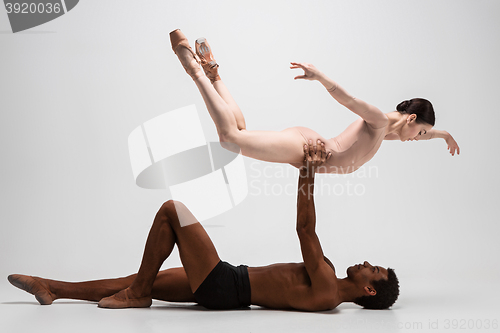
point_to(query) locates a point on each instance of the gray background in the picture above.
(72, 90)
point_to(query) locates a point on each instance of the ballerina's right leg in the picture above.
(211, 69)
(223, 92)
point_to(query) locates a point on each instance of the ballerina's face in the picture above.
(412, 130)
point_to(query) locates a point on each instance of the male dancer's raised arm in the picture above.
(322, 275)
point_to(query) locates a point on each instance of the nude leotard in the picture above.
(355, 146)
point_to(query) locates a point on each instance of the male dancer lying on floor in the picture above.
(205, 279)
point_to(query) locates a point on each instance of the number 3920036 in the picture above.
(33, 8)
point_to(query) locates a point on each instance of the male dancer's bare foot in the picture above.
(186, 55)
(125, 299)
(35, 286)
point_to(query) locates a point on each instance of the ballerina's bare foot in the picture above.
(125, 299)
(186, 55)
(35, 286)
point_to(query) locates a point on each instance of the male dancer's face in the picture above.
(365, 273)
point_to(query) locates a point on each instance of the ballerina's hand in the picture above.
(310, 72)
(452, 145)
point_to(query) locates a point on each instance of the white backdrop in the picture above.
(72, 90)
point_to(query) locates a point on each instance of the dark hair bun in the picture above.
(403, 106)
(419, 106)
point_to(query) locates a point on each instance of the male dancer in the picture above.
(308, 286)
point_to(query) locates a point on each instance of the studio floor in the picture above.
(439, 309)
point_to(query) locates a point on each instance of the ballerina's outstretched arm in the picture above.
(371, 114)
(438, 134)
(433, 134)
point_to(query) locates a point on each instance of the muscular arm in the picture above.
(312, 252)
(321, 274)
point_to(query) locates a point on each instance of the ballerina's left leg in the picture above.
(281, 147)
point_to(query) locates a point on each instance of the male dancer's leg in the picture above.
(170, 285)
(197, 252)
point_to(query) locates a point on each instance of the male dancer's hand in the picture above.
(314, 158)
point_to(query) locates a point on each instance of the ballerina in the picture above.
(413, 119)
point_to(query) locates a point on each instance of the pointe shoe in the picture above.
(124, 301)
(207, 60)
(33, 286)
(179, 41)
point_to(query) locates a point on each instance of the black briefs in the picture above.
(226, 287)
